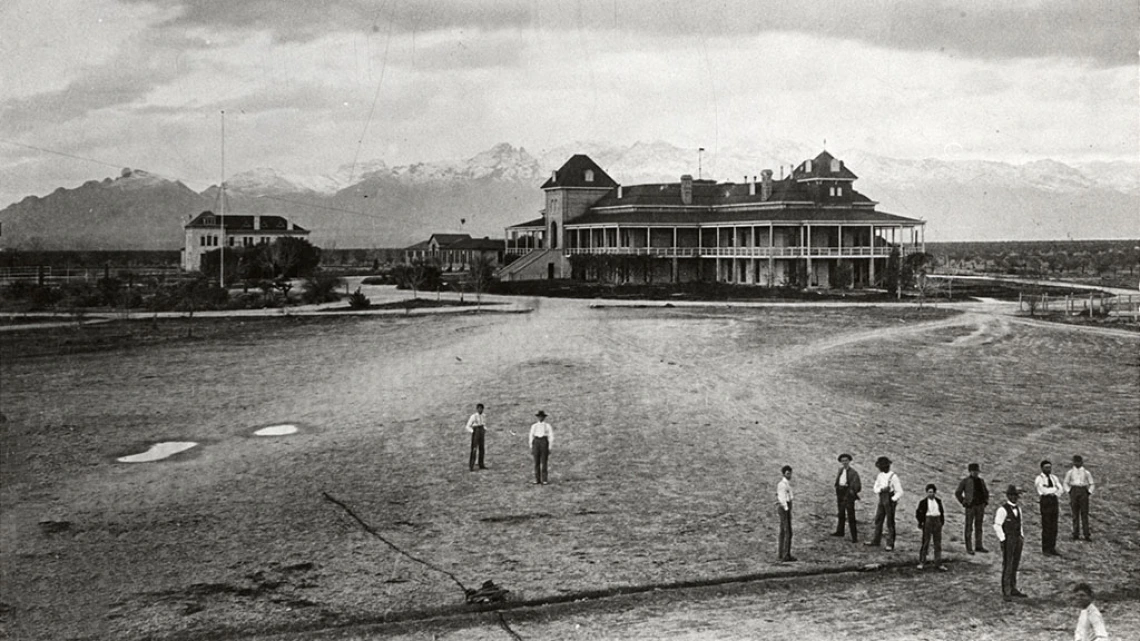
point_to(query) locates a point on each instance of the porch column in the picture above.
(810, 274)
(771, 252)
(871, 274)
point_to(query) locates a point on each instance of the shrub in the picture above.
(321, 288)
(358, 301)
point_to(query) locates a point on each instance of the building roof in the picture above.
(243, 222)
(446, 240)
(708, 193)
(480, 244)
(694, 216)
(537, 223)
(823, 166)
(574, 173)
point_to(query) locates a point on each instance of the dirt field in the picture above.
(670, 429)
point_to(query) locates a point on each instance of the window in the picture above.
(838, 191)
(589, 175)
(807, 166)
(834, 166)
(203, 241)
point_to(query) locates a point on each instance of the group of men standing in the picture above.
(971, 493)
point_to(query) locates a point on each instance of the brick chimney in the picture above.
(687, 189)
(619, 191)
(766, 184)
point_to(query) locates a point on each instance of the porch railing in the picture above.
(744, 252)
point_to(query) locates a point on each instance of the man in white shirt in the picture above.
(1007, 525)
(1090, 624)
(931, 517)
(1049, 489)
(1079, 484)
(540, 440)
(784, 508)
(477, 426)
(888, 491)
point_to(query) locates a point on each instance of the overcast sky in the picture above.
(310, 85)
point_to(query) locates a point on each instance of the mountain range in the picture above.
(372, 204)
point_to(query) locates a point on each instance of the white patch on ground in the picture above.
(277, 430)
(158, 451)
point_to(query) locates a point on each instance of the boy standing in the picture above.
(1090, 625)
(931, 517)
(784, 499)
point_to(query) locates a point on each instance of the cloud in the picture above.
(1102, 33)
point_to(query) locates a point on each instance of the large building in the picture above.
(809, 228)
(204, 234)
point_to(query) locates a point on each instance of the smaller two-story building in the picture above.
(205, 233)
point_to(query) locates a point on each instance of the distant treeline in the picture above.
(171, 258)
(1056, 258)
(89, 259)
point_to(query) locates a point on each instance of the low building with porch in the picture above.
(808, 229)
(454, 252)
(205, 233)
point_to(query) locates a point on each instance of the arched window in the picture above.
(553, 235)
(589, 175)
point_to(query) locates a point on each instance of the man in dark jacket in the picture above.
(847, 488)
(931, 517)
(973, 496)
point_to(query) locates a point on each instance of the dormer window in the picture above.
(209, 220)
(807, 166)
(589, 175)
(835, 167)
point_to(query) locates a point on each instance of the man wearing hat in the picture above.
(888, 490)
(1080, 484)
(1007, 525)
(541, 437)
(847, 488)
(973, 495)
(1050, 490)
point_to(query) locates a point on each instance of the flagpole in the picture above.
(700, 150)
(222, 210)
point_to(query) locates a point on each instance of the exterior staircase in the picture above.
(536, 266)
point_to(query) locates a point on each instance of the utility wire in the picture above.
(375, 96)
(60, 153)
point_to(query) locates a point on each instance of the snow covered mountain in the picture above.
(374, 204)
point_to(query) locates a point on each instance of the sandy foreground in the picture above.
(670, 429)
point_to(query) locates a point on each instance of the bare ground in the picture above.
(671, 426)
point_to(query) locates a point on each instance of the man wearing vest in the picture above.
(973, 495)
(1050, 490)
(847, 488)
(1007, 525)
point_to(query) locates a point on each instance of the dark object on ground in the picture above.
(487, 593)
